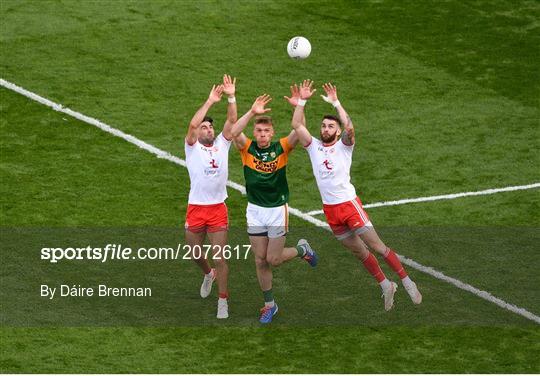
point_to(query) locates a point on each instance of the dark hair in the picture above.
(332, 117)
(263, 120)
(208, 119)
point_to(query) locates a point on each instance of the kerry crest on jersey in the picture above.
(265, 173)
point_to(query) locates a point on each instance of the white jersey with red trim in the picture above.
(208, 168)
(331, 167)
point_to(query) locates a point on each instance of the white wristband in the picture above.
(302, 102)
(336, 103)
(231, 99)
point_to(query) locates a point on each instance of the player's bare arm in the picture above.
(229, 89)
(258, 108)
(348, 127)
(292, 139)
(293, 99)
(298, 122)
(213, 97)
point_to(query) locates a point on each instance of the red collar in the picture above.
(328, 145)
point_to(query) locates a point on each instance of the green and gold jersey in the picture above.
(265, 173)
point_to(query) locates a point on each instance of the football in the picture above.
(299, 48)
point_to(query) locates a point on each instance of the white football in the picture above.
(299, 48)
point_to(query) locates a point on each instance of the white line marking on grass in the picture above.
(464, 286)
(442, 197)
(305, 216)
(107, 128)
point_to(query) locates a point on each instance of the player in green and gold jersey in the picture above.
(265, 164)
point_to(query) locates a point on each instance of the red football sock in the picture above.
(393, 261)
(224, 295)
(372, 265)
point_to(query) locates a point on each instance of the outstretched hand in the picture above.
(229, 85)
(260, 103)
(295, 95)
(306, 90)
(215, 93)
(331, 93)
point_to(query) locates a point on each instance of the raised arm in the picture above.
(299, 120)
(293, 100)
(229, 89)
(257, 108)
(292, 138)
(213, 97)
(348, 128)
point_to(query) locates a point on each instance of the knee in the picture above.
(360, 253)
(273, 260)
(220, 262)
(260, 263)
(380, 248)
(374, 245)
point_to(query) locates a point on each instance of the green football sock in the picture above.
(268, 296)
(301, 251)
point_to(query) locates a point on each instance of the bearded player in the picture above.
(207, 158)
(267, 190)
(331, 159)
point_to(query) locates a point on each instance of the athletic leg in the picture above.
(278, 226)
(218, 241)
(356, 246)
(360, 251)
(196, 239)
(259, 245)
(277, 254)
(371, 238)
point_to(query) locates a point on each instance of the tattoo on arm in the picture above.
(345, 138)
(348, 132)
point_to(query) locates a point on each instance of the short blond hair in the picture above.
(263, 120)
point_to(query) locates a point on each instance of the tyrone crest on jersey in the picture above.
(212, 169)
(326, 169)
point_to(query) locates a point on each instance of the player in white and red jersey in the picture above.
(207, 158)
(331, 159)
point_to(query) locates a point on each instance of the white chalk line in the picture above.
(168, 156)
(450, 196)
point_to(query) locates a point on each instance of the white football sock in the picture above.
(407, 281)
(269, 304)
(385, 284)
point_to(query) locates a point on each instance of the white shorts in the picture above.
(271, 222)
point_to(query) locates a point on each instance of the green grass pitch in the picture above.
(445, 97)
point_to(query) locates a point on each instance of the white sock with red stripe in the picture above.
(385, 284)
(407, 282)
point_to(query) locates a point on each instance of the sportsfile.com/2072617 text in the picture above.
(118, 252)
